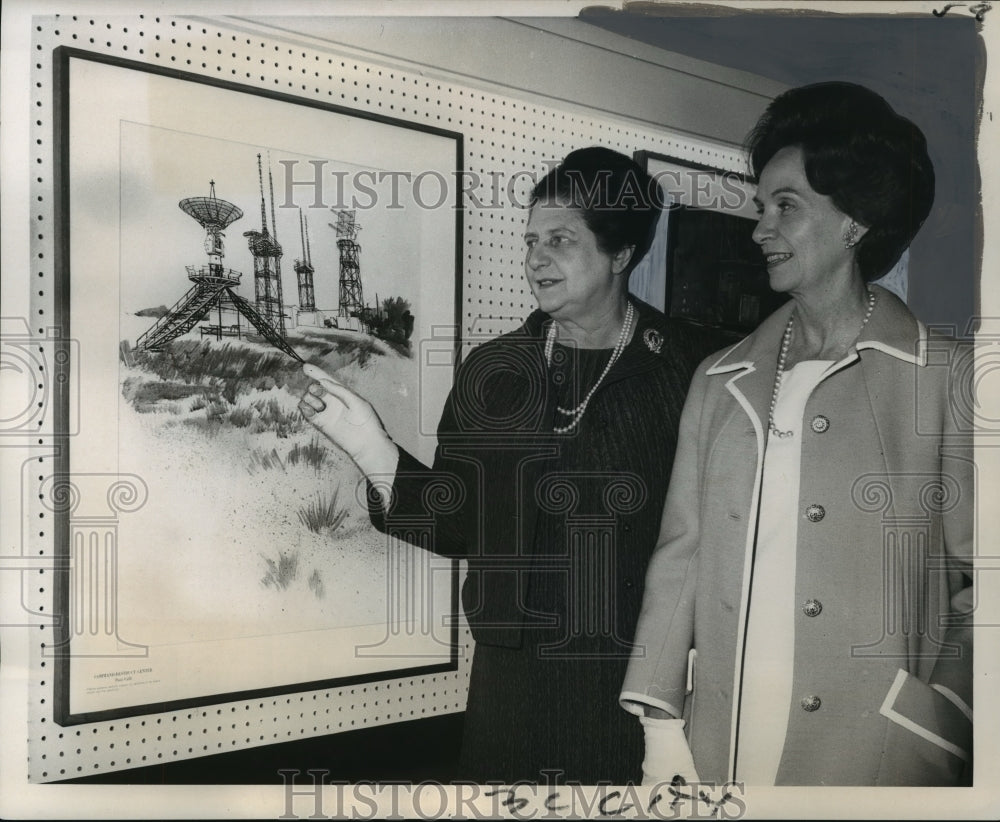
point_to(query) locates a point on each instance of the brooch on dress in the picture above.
(653, 340)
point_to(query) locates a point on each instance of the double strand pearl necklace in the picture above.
(577, 413)
(786, 341)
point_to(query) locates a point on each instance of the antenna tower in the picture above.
(304, 269)
(351, 298)
(267, 253)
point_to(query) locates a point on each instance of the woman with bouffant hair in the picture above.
(807, 613)
(553, 453)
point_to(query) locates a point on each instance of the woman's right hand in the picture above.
(350, 422)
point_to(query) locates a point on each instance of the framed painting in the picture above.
(212, 238)
(704, 266)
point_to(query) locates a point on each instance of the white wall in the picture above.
(559, 59)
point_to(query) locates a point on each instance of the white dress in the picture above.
(770, 636)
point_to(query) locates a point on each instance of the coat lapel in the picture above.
(893, 330)
(753, 362)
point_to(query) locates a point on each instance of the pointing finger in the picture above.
(318, 374)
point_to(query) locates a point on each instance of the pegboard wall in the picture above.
(504, 136)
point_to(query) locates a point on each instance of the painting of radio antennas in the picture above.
(241, 255)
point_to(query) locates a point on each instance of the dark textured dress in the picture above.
(557, 530)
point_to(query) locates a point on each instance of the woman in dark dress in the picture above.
(553, 454)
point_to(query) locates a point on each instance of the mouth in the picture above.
(546, 282)
(776, 259)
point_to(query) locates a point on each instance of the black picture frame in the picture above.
(715, 273)
(76, 371)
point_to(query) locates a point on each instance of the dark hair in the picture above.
(871, 161)
(618, 200)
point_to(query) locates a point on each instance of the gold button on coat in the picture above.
(812, 607)
(814, 513)
(811, 703)
(820, 424)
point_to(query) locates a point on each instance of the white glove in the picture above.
(667, 752)
(352, 424)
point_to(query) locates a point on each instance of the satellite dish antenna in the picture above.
(213, 215)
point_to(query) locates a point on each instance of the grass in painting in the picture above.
(313, 453)
(221, 378)
(261, 460)
(270, 416)
(316, 584)
(236, 369)
(200, 361)
(361, 349)
(149, 397)
(241, 417)
(220, 374)
(280, 574)
(209, 426)
(323, 514)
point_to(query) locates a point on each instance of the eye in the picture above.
(558, 239)
(531, 242)
(785, 205)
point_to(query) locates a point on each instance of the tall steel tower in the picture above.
(351, 298)
(267, 262)
(304, 270)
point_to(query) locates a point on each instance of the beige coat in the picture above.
(882, 680)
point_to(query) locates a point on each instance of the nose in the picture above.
(764, 230)
(535, 257)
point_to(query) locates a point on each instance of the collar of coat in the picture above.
(891, 329)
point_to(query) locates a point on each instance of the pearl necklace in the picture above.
(577, 413)
(786, 341)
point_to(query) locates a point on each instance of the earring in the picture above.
(851, 236)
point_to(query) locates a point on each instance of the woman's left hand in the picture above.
(667, 753)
